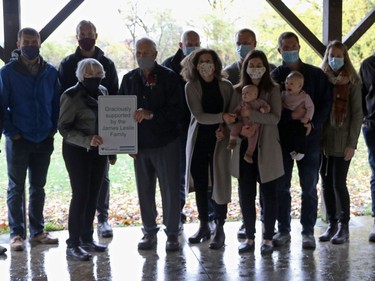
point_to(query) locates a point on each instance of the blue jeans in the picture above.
(308, 171)
(24, 156)
(369, 136)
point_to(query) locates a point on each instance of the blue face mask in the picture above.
(30, 52)
(188, 50)
(243, 50)
(290, 57)
(335, 63)
(145, 62)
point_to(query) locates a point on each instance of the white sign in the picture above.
(116, 124)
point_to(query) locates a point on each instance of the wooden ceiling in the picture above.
(332, 24)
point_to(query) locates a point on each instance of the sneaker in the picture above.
(308, 241)
(16, 243)
(299, 156)
(280, 239)
(44, 238)
(105, 230)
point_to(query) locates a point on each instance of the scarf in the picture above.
(340, 95)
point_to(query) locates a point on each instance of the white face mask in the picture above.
(256, 72)
(205, 69)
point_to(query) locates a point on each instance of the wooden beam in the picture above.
(59, 18)
(332, 20)
(298, 26)
(12, 23)
(360, 29)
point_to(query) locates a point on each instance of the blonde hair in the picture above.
(297, 75)
(348, 66)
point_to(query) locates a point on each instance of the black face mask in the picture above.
(92, 85)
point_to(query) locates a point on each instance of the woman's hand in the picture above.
(348, 153)
(229, 118)
(219, 133)
(96, 141)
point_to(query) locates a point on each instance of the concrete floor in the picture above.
(352, 261)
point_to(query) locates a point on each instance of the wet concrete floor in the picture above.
(351, 261)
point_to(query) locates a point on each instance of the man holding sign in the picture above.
(158, 111)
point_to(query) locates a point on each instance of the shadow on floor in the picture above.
(352, 261)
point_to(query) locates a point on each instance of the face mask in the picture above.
(30, 52)
(290, 57)
(335, 63)
(243, 50)
(188, 50)
(256, 72)
(145, 62)
(206, 69)
(92, 85)
(87, 43)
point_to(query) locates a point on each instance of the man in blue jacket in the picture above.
(30, 101)
(86, 36)
(317, 86)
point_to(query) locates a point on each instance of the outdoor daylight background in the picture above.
(120, 22)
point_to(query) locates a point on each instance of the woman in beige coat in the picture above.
(268, 163)
(208, 97)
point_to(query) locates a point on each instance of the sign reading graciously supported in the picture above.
(116, 124)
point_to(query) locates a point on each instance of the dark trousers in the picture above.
(369, 136)
(86, 172)
(293, 136)
(202, 173)
(249, 176)
(22, 156)
(308, 171)
(160, 164)
(103, 198)
(333, 172)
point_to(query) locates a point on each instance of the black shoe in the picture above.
(329, 233)
(219, 238)
(203, 233)
(2, 250)
(77, 253)
(241, 233)
(342, 235)
(371, 236)
(172, 243)
(93, 247)
(148, 242)
(308, 241)
(266, 249)
(105, 230)
(246, 247)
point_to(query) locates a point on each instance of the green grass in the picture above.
(124, 209)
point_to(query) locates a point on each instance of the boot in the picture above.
(203, 233)
(371, 237)
(329, 233)
(342, 235)
(219, 237)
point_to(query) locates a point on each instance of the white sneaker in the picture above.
(293, 154)
(299, 156)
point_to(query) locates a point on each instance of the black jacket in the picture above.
(367, 73)
(68, 66)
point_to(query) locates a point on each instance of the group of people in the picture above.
(199, 125)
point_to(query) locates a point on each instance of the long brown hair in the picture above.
(266, 83)
(189, 65)
(348, 66)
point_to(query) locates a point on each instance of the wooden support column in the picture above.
(12, 22)
(332, 20)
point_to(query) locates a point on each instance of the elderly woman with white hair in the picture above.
(78, 125)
